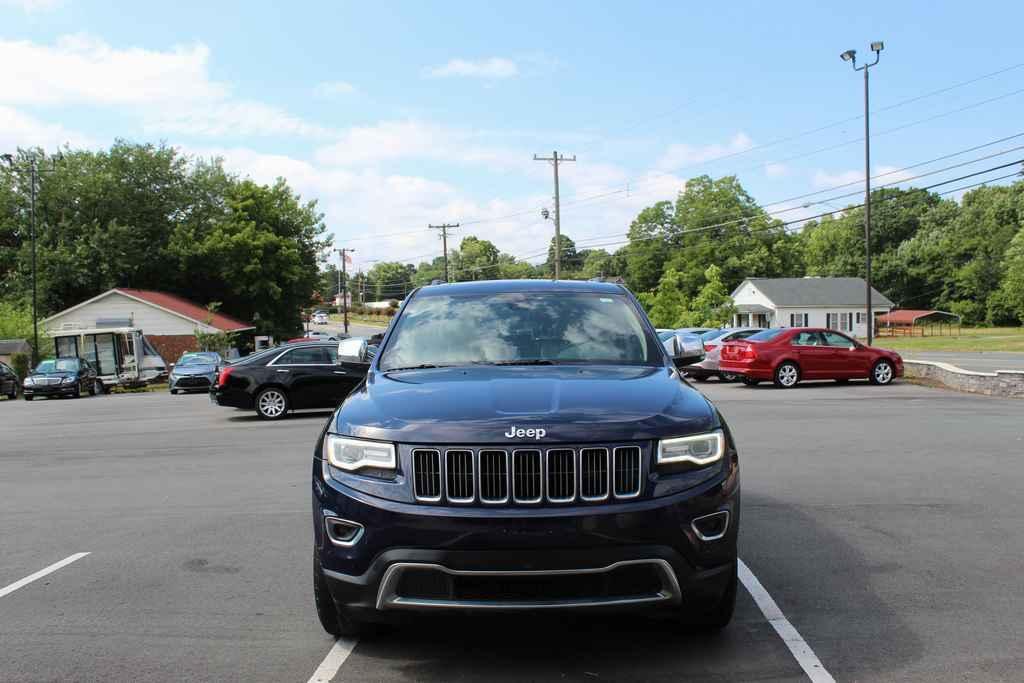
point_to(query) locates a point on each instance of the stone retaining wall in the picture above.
(1007, 383)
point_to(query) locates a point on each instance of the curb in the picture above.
(1004, 383)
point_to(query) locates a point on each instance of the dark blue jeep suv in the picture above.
(523, 445)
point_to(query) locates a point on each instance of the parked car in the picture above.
(312, 335)
(788, 355)
(301, 376)
(687, 342)
(712, 341)
(524, 445)
(8, 381)
(62, 377)
(195, 371)
(320, 318)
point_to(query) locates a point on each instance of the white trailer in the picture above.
(122, 355)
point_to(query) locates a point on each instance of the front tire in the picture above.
(727, 377)
(714, 615)
(272, 404)
(28, 398)
(882, 373)
(333, 619)
(787, 375)
(174, 392)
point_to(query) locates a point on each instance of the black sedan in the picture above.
(195, 371)
(8, 381)
(300, 376)
(62, 377)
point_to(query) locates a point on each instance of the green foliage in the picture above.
(16, 323)
(221, 342)
(21, 364)
(390, 280)
(146, 216)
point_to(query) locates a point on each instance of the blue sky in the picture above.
(395, 115)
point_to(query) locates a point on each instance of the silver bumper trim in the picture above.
(387, 597)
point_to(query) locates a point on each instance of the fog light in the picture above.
(711, 527)
(343, 532)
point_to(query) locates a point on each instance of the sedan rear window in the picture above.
(713, 334)
(766, 335)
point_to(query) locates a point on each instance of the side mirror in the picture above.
(685, 349)
(353, 350)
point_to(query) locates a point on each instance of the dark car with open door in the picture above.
(300, 376)
(787, 356)
(64, 377)
(8, 381)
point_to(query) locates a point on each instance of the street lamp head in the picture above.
(877, 46)
(545, 214)
(849, 55)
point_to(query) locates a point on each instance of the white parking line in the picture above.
(337, 655)
(7, 590)
(802, 652)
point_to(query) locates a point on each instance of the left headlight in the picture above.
(699, 449)
(69, 380)
(354, 454)
(28, 382)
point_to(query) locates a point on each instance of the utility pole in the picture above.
(343, 282)
(555, 159)
(444, 228)
(34, 171)
(851, 56)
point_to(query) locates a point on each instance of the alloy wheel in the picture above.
(883, 373)
(271, 404)
(788, 375)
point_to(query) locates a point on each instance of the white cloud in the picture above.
(495, 67)
(81, 69)
(329, 89)
(891, 174)
(392, 140)
(681, 155)
(18, 129)
(30, 6)
(234, 118)
(774, 170)
(825, 179)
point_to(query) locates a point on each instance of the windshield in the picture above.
(765, 335)
(58, 365)
(713, 334)
(519, 328)
(198, 359)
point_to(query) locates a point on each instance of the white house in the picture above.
(168, 321)
(837, 303)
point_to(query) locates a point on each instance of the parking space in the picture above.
(884, 521)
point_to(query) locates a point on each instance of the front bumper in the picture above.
(191, 382)
(50, 390)
(639, 554)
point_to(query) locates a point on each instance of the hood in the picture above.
(478, 405)
(203, 369)
(55, 373)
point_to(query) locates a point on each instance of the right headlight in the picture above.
(28, 382)
(351, 454)
(698, 449)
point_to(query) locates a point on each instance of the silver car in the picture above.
(195, 371)
(713, 341)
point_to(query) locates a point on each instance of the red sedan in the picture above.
(790, 354)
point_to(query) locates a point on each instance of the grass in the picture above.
(140, 390)
(375, 321)
(968, 339)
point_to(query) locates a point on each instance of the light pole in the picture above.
(851, 56)
(34, 171)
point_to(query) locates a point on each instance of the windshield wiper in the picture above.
(523, 361)
(424, 366)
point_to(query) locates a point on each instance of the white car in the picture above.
(320, 319)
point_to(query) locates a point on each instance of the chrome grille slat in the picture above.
(594, 471)
(627, 472)
(561, 475)
(493, 476)
(528, 475)
(459, 476)
(427, 479)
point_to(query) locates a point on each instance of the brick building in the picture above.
(168, 321)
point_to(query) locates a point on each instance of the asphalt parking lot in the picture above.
(885, 522)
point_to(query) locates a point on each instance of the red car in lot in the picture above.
(790, 354)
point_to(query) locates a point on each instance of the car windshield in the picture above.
(198, 359)
(713, 334)
(765, 335)
(513, 328)
(58, 365)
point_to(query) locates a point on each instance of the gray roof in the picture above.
(816, 291)
(9, 346)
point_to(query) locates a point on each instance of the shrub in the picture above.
(20, 363)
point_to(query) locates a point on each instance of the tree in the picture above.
(651, 237)
(475, 259)
(1009, 300)
(570, 260)
(390, 280)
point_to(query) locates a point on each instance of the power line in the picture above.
(444, 228)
